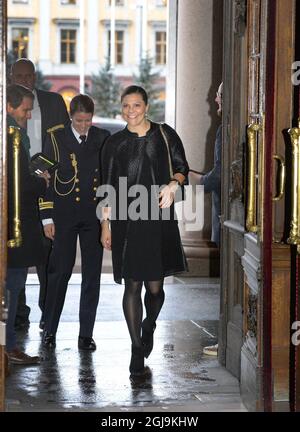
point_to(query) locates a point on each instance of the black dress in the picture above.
(147, 248)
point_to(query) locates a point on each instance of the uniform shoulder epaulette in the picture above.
(55, 128)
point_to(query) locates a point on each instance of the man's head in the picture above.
(23, 73)
(219, 99)
(19, 103)
(81, 112)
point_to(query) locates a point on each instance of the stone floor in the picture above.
(182, 378)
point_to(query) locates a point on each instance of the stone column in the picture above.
(198, 54)
(92, 59)
(45, 64)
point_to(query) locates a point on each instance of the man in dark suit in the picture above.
(29, 251)
(49, 109)
(212, 184)
(69, 212)
(212, 180)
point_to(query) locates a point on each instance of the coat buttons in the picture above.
(77, 190)
(77, 199)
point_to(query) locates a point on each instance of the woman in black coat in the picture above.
(140, 225)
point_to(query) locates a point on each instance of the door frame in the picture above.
(3, 194)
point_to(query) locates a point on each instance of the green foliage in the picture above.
(40, 81)
(10, 59)
(106, 92)
(149, 81)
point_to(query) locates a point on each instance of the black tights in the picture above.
(133, 308)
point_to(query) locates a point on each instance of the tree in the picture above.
(149, 81)
(40, 81)
(106, 92)
(10, 59)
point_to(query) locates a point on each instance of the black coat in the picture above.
(31, 252)
(77, 198)
(53, 110)
(121, 157)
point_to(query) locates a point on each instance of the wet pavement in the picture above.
(182, 378)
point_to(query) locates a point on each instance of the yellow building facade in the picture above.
(66, 37)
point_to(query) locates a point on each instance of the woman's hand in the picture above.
(49, 231)
(167, 194)
(106, 235)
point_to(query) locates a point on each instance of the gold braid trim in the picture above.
(55, 128)
(44, 205)
(56, 155)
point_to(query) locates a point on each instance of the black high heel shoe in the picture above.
(137, 367)
(147, 338)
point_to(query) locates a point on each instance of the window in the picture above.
(117, 2)
(20, 40)
(68, 2)
(160, 47)
(68, 46)
(161, 3)
(119, 41)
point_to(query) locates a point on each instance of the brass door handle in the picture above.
(294, 237)
(15, 134)
(282, 177)
(251, 225)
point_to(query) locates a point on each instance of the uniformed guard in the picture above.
(69, 211)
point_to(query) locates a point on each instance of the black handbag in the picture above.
(180, 191)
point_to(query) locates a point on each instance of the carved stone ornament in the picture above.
(240, 17)
(252, 315)
(236, 186)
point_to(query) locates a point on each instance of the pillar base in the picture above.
(203, 259)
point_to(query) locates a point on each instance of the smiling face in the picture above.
(82, 121)
(134, 110)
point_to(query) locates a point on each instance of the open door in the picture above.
(294, 227)
(255, 330)
(3, 210)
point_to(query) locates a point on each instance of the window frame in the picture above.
(61, 2)
(61, 29)
(12, 39)
(117, 5)
(108, 51)
(24, 23)
(20, 2)
(156, 44)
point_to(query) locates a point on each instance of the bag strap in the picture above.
(168, 150)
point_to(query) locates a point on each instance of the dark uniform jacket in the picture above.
(53, 110)
(31, 187)
(212, 183)
(121, 157)
(72, 192)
